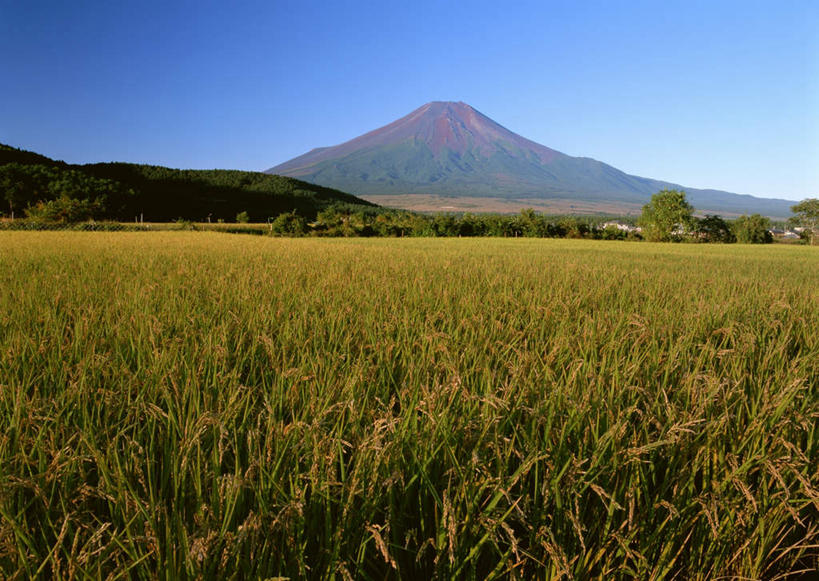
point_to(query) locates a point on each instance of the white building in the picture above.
(620, 226)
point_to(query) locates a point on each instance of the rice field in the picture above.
(200, 405)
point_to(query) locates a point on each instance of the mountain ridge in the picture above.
(451, 149)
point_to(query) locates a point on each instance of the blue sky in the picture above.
(718, 94)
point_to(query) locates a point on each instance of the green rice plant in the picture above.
(195, 405)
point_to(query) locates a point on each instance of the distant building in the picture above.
(620, 226)
(786, 234)
(679, 230)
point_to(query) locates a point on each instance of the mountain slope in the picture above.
(451, 149)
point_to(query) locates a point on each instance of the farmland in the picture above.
(197, 404)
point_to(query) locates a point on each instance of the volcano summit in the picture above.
(452, 151)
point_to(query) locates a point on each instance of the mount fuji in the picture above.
(450, 152)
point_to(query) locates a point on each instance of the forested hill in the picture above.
(10, 154)
(36, 185)
(196, 194)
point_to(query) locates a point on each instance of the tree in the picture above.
(714, 229)
(242, 217)
(807, 216)
(572, 227)
(529, 222)
(752, 229)
(444, 225)
(667, 216)
(16, 186)
(64, 209)
(289, 224)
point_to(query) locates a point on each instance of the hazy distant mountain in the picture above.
(451, 149)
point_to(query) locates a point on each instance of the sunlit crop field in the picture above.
(187, 404)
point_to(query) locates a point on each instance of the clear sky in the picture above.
(721, 94)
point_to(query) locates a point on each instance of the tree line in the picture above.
(346, 221)
(668, 217)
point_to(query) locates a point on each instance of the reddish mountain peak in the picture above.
(454, 126)
(443, 126)
(448, 126)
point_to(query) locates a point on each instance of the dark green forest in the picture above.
(35, 186)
